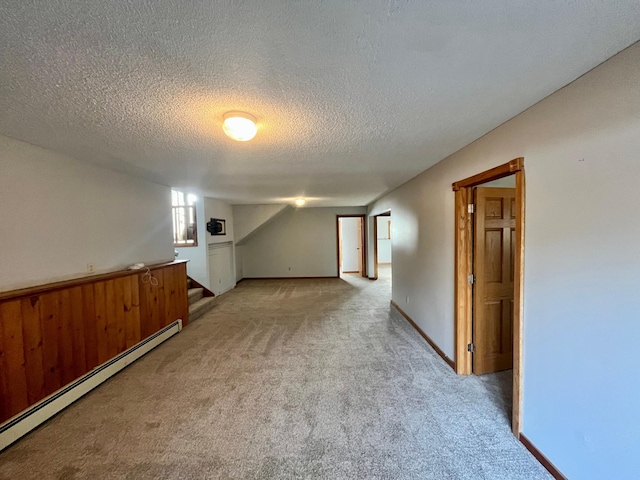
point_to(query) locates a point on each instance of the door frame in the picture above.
(375, 241)
(463, 295)
(363, 248)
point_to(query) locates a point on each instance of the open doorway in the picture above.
(489, 245)
(382, 252)
(351, 236)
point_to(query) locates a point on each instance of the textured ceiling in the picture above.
(352, 98)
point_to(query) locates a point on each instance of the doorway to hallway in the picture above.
(382, 254)
(382, 248)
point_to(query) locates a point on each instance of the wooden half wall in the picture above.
(52, 334)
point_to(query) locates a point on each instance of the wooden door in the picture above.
(494, 249)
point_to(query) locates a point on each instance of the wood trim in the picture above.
(80, 281)
(424, 335)
(463, 290)
(504, 170)
(518, 304)
(463, 294)
(546, 463)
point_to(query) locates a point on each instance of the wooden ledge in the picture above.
(74, 282)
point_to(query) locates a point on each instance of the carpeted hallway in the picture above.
(285, 379)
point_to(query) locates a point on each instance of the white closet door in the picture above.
(221, 268)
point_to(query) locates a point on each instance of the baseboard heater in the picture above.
(38, 413)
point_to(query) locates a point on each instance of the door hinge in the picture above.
(471, 278)
(471, 348)
(471, 208)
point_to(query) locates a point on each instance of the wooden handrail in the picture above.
(74, 282)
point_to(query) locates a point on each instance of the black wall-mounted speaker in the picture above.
(216, 227)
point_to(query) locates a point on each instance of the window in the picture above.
(185, 232)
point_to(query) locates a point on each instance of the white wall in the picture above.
(384, 241)
(297, 243)
(349, 233)
(197, 256)
(57, 214)
(247, 221)
(582, 263)
(239, 257)
(248, 218)
(505, 182)
(223, 279)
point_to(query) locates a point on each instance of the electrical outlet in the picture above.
(289, 268)
(91, 268)
(407, 299)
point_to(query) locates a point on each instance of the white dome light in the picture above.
(300, 202)
(240, 126)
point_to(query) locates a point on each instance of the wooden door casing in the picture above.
(494, 250)
(463, 247)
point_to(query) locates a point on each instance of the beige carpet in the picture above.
(285, 379)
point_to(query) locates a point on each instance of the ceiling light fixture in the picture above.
(240, 126)
(300, 202)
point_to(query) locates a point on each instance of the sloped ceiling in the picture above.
(352, 98)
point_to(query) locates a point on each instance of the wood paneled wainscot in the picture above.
(52, 334)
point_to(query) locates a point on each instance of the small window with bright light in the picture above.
(185, 231)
